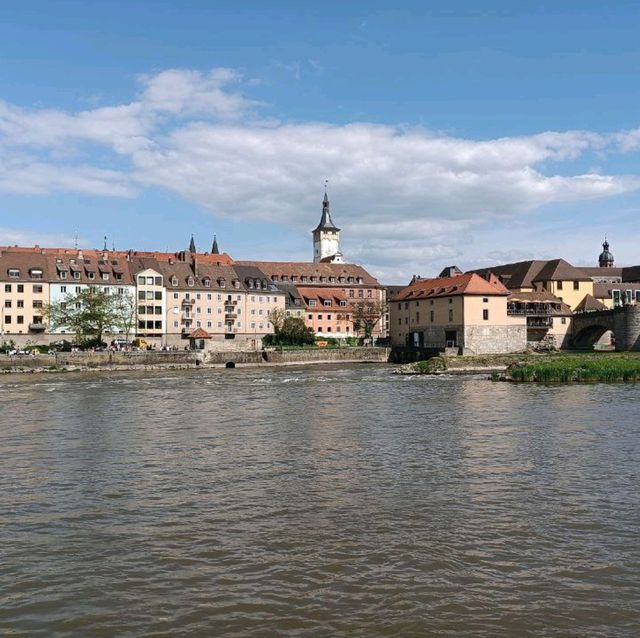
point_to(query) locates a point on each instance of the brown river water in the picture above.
(317, 501)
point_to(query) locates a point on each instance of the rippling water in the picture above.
(317, 501)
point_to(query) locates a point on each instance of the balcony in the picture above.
(532, 310)
(539, 322)
(230, 316)
(37, 326)
(188, 302)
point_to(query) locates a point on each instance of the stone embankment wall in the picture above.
(365, 355)
(187, 359)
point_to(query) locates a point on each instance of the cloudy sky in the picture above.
(448, 134)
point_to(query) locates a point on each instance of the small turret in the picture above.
(606, 257)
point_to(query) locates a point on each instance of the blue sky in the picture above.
(449, 133)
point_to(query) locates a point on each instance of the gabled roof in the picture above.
(589, 304)
(468, 284)
(313, 269)
(560, 270)
(199, 333)
(516, 275)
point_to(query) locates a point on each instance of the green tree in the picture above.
(288, 331)
(92, 312)
(366, 315)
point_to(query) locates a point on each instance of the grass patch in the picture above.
(595, 367)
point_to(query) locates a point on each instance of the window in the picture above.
(20, 319)
(158, 281)
(7, 287)
(36, 273)
(417, 317)
(7, 303)
(20, 303)
(14, 273)
(319, 317)
(431, 316)
(485, 314)
(559, 285)
(310, 317)
(91, 275)
(563, 320)
(485, 300)
(576, 285)
(63, 289)
(7, 319)
(62, 274)
(37, 289)
(105, 276)
(451, 314)
(327, 302)
(20, 287)
(76, 275)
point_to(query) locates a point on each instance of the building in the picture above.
(326, 237)
(466, 313)
(331, 293)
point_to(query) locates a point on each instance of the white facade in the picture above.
(60, 292)
(326, 243)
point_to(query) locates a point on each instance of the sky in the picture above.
(449, 132)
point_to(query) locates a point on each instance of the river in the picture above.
(317, 501)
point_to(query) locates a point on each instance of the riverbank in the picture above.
(184, 360)
(536, 367)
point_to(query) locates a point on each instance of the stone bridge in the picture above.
(624, 322)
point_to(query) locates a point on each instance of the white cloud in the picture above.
(404, 195)
(19, 237)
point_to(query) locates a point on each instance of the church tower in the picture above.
(606, 258)
(326, 237)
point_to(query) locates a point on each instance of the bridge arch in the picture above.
(594, 337)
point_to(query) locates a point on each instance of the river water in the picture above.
(317, 501)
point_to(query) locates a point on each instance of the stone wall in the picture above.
(377, 355)
(494, 339)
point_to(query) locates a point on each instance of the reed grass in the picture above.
(578, 369)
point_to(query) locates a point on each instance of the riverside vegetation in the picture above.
(562, 367)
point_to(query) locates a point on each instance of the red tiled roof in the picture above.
(469, 284)
(199, 333)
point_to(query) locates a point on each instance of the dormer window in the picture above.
(303, 279)
(91, 275)
(294, 277)
(62, 274)
(327, 302)
(258, 285)
(105, 276)
(236, 283)
(222, 282)
(323, 280)
(312, 302)
(274, 278)
(207, 282)
(174, 280)
(76, 275)
(332, 280)
(343, 303)
(190, 281)
(14, 273)
(350, 280)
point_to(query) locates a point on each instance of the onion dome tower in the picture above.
(606, 258)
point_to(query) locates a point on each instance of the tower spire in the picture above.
(214, 246)
(104, 248)
(192, 245)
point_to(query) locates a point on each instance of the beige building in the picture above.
(465, 313)
(24, 291)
